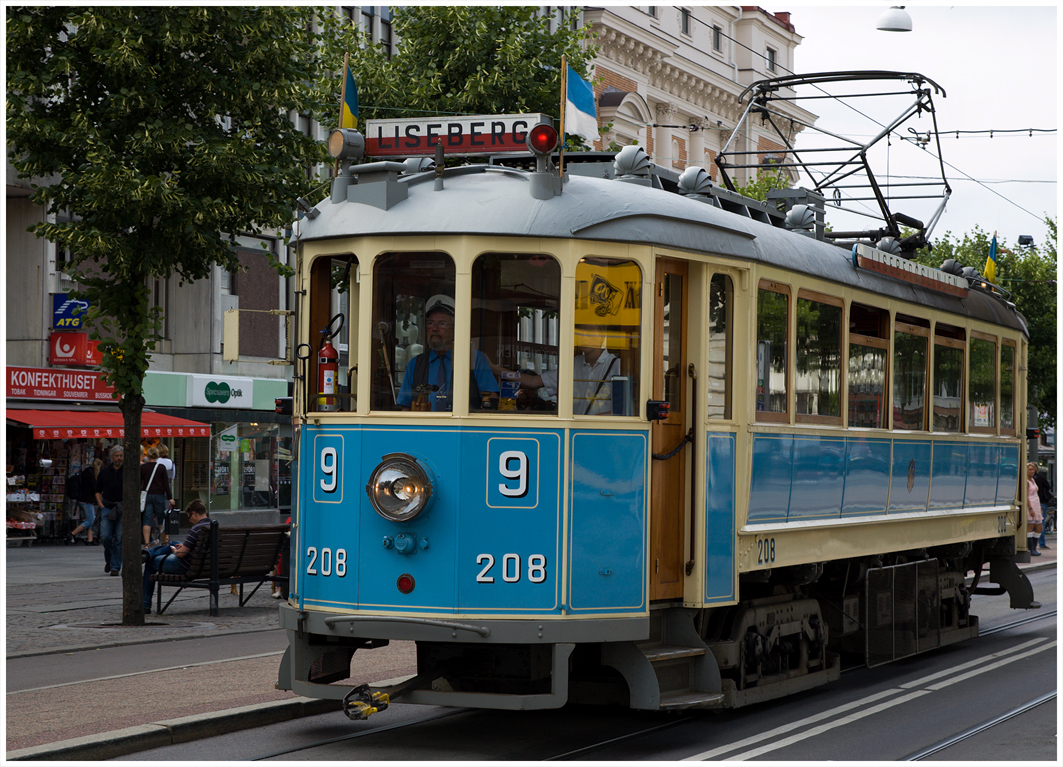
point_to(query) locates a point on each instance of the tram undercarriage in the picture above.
(788, 636)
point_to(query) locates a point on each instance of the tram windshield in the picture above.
(404, 286)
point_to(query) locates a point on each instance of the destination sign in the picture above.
(479, 134)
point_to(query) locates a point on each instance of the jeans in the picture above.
(154, 509)
(111, 536)
(89, 510)
(160, 560)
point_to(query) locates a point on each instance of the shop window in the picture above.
(983, 383)
(607, 337)
(868, 350)
(948, 379)
(819, 358)
(1007, 387)
(516, 300)
(413, 332)
(909, 375)
(718, 371)
(773, 322)
(246, 471)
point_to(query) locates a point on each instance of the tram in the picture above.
(699, 454)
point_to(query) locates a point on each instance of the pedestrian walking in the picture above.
(1034, 519)
(86, 499)
(166, 463)
(158, 498)
(171, 558)
(1044, 495)
(109, 504)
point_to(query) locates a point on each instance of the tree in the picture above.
(460, 60)
(163, 133)
(1029, 274)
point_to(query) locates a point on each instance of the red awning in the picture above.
(77, 424)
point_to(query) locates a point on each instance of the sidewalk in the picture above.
(59, 600)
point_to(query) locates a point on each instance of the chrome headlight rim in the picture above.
(401, 487)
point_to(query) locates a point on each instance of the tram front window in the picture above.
(413, 333)
(516, 299)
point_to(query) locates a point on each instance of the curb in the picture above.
(108, 745)
(130, 642)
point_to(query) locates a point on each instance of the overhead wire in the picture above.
(967, 176)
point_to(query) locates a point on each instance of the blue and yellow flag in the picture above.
(991, 263)
(349, 114)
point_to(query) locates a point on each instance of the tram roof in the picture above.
(490, 200)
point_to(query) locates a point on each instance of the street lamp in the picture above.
(896, 19)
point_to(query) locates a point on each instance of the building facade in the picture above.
(669, 78)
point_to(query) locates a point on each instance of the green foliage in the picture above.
(157, 130)
(1029, 273)
(458, 60)
(758, 188)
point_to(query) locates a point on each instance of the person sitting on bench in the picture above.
(171, 558)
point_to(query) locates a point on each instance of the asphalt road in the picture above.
(887, 713)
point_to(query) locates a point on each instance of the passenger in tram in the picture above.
(428, 383)
(593, 369)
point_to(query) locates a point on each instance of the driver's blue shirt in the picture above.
(485, 379)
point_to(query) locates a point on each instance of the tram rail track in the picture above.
(686, 718)
(980, 728)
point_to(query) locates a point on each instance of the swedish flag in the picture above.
(991, 263)
(349, 115)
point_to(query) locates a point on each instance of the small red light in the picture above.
(405, 583)
(542, 139)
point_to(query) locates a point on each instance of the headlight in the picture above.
(400, 487)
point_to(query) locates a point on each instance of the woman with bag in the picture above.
(1034, 518)
(155, 494)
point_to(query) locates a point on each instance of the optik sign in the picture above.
(220, 391)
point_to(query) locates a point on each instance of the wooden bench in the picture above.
(229, 556)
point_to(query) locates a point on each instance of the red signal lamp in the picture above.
(541, 139)
(405, 583)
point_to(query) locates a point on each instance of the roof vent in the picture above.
(632, 164)
(418, 165)
(801, 218)
(951, 266)
(889, 245)
(695, 182)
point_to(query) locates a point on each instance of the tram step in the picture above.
(656, 653)
(677, 700)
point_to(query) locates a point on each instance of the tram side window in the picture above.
(721, 307)
(773, 317)
(910, 357)
(608, 317)
(819, 359)
(1007, 387)
(515, 322)
(983, 383)
(868, 349)
(412, 332)
(333, 312)
(948, 379)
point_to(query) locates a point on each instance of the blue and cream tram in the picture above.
(796, 450)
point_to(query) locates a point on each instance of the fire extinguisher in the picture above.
(328, 365)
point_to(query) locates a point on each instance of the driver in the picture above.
(428, 383)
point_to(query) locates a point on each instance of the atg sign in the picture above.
(481, 134)
(220, 391)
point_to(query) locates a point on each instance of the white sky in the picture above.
(998, 67)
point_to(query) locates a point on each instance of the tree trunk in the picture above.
(132, 568)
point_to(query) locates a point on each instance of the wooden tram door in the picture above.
(668, 477)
